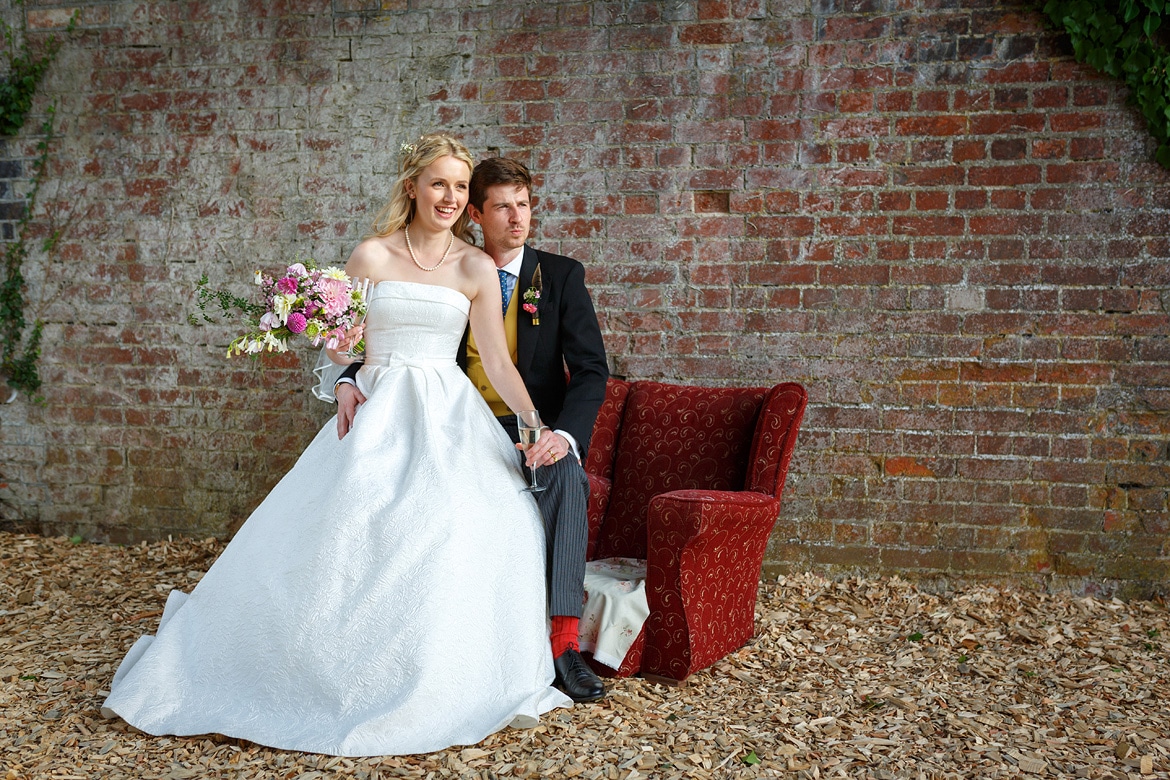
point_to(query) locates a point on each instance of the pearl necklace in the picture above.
(442, 259)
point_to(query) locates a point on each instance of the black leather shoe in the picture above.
(575, 678)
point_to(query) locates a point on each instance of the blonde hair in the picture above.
(399, 210)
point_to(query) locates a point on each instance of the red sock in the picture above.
(564, 634)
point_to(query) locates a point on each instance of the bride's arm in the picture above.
(487, 325)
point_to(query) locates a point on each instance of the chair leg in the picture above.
(667, 681)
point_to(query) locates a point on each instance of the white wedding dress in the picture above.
(388, 596)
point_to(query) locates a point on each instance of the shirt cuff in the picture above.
(572, 443)
(345, 380)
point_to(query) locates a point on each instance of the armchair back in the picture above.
(677, 437)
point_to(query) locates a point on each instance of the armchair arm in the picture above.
(705, 549)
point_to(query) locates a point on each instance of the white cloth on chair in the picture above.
(615, 608)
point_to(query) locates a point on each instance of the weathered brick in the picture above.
(942, 256)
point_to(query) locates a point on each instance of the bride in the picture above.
(388, 596)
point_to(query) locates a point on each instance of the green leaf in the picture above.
(751, 758)
(1117, 38)
(1163, 155)
(915, 637)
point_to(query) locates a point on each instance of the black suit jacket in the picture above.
(568, 337)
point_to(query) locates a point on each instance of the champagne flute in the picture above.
(529, 425)
(363, 285)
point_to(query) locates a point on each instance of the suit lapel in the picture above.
(526, 332)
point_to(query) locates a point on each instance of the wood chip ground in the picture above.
(873, 678)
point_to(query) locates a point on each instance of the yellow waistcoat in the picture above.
(475, 370)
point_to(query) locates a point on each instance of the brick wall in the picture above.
(926, 212)
(12, 195)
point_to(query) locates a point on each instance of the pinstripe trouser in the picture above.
(566, 528)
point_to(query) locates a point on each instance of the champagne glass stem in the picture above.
(529, 427)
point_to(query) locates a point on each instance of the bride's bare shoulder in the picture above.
(475, 269)
(368, 257)
(472, 259)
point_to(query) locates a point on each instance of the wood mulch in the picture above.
(874, 678)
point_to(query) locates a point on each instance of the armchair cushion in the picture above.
(675, 437)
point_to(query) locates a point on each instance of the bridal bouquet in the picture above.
(320, 304)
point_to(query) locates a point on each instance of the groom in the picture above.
(562, 332)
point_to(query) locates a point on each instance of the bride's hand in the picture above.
(351, 338)
(343, 356)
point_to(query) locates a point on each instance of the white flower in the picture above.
(332, 272)
(282, 305)
(274, 344)
(254, 346)
(258, 279)
(269, 321)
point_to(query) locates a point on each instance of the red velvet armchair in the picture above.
(689, 479)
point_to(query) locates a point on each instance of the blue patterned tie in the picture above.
(505, 280)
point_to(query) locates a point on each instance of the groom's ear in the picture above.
(475, 214)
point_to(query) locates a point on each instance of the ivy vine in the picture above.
(1121, 39)
(20, 350)
(20, 344)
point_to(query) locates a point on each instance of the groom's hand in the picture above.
(549, 448)
(349, 398)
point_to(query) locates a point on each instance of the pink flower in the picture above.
(296, 322)
(298, 269)
(287, 285)
(269, 321)
(530, 308)
(334, 296)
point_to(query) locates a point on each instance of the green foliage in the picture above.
(25, 69)
(20, 344)
(20, 350)
(231, 307)
(1120, 39)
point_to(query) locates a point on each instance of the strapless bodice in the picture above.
(410, 322)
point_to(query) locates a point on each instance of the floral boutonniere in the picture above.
(532, 297)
